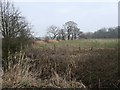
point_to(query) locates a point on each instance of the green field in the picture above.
(87, 43)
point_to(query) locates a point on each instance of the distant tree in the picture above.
(112, 32)
(101, 33)
(62, 34)
(14, 28)
(53, 31)
(76, 33)
(106, 33)
(70, 26)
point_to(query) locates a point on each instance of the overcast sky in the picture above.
(90, 16)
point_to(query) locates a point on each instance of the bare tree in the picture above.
(14, 28)
(76, 33)
(62, 34)
(70, 26)
(53, 31)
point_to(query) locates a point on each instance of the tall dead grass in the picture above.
(61, 68)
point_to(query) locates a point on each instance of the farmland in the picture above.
(94, 62)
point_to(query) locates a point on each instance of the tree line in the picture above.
(104, 33)
(70, 31)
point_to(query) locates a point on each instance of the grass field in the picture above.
(87, 43)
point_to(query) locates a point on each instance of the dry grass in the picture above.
(53, 41)
(62, 67)
(39, 43)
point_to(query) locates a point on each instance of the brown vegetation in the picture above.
(41, 42)
(53, 41)
(62, 68)
(38, 43)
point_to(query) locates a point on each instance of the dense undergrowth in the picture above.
(63, 67)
